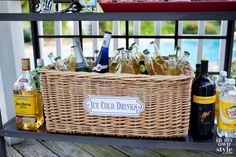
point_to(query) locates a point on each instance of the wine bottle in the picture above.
(202, 106)
(101, 65)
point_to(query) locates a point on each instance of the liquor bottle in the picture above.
(220, 83)
(227, 108)
(81, 63)
(29, 112)
(181, 62)
(36, 74)
(172, 65)
(114, 66)
(149, 63)
(198, 70)
(202, 105)
(101, 65)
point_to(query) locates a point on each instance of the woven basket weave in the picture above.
(166, 99)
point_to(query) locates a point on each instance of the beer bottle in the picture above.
(202, 105)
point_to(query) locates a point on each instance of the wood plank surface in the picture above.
(138, 152)
(11, 152)
(101, 150)
(178, 153)
(32, 148)
(65, 149)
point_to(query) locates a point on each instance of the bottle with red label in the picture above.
(226, 126)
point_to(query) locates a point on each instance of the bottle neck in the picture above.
(25, 74)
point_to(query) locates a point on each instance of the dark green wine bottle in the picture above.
(202, 106)
(198, 70)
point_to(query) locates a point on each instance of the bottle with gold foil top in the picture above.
(114, 65)
(202, 105)
(149, 63)
(172, 65)
(157, 58)
(226, 126)
(220, 84)
(29, 110)
(181, 62)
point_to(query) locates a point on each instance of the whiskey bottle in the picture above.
(29, 110)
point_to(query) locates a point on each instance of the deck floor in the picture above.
(38, 148)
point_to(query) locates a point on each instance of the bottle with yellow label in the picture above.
(220, 83)
(28, 104)
(226, 125)
(202, 106)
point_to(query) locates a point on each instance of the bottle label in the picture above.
(25, 105)
(217, 103)
(35, 79)
(227, 116)
(99, 67)
(143, 68)
(204, 100)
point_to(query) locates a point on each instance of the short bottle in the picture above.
(172, 65)
(180, 63)
(59, 65)
(115, 61)
(149, 62)
(226, 126)
(220, 84)
(29, 111)
(102, 62)
(202, 105)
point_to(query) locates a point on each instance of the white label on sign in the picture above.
(113, 105)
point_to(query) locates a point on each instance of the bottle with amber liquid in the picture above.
(28, 108)
(202, 105)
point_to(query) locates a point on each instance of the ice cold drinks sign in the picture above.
(113, 105)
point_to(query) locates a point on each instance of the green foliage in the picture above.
(105, 26)
(233, 69)
(147, 28)
(190, 27)
(27, 36)
(168, 27)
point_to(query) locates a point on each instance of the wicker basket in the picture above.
(166, 99)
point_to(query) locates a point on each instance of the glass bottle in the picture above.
(137, 52)
(36, 74)
(157, 56)
(114, 66)
(227, 111)
(172, 65)
(177, 52)
(181, 62)
(149, 63)
(202, 105)
(220, 84)
(124, 66)
(134, 62)
(81, 63)
(198, 70)
(72, 60)
(101, 65)
(59, 65)
(29, 112)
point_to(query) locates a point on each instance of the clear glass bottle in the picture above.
(220, 83)
(181, 62)
(172, 65)
(72, 60)
(149, 63)
(124, 66)
(114, 66)
(81, 63)
(226, 125)
(157, 57)
(57, 62)
(28, 108)
(102, 62)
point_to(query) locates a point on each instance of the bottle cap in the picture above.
(223, 73)
(204, 59)
(50, 54)
(25, 62)
(187, 53)
(121, 48)
(231, 81)
(146, 52)
(59, 57)
(152, 42)
(40, 62)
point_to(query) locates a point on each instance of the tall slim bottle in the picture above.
(29, 113)
(81, 63)
(202, 106)
(102, 62)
